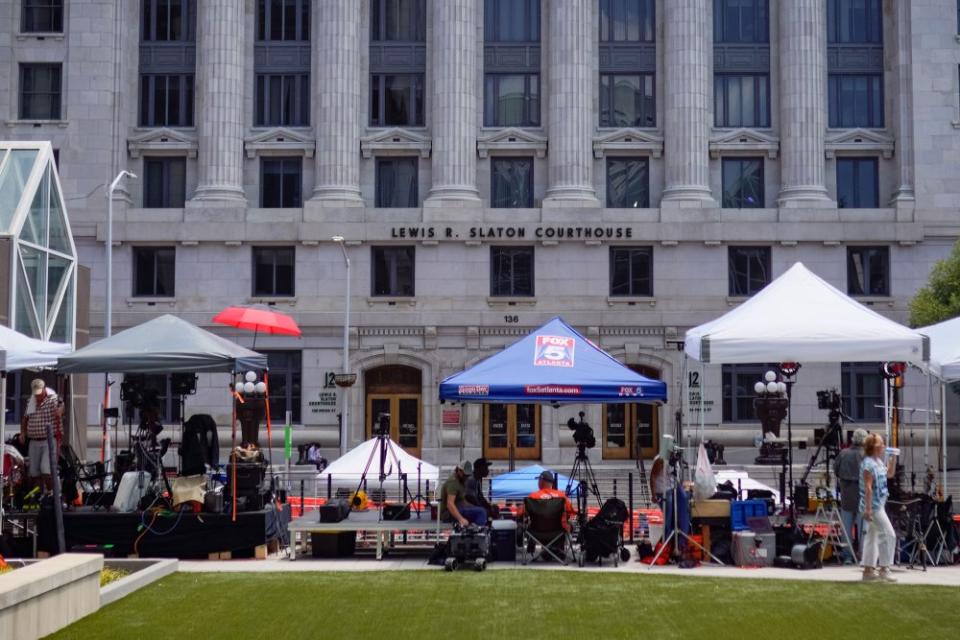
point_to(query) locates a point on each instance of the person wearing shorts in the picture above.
(43, 409)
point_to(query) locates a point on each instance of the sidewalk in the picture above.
(935, 576)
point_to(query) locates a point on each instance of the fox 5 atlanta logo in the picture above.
(554, 351)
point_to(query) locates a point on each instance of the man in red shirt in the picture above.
(546, 491)
(43, 409)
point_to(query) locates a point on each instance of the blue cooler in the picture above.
(504, 538)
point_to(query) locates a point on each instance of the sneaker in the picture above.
(869, 575)
(885, 576)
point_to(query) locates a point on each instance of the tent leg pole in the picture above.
(3, 438)
(926, 426)
(943, 435)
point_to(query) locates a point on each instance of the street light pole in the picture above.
(345, 410)
(108, 302)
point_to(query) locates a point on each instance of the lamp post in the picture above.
(108, 302)
(345, 379)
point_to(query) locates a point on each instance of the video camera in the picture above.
(383, 424)
(829, 400)
(582, 432)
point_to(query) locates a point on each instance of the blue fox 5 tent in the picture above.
(553, 364)
(518, 484)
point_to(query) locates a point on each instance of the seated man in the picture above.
(546, 491)
(474, 487)
(453, 506)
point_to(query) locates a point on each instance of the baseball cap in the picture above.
(38, 385)
(546, 475)
(466, 466)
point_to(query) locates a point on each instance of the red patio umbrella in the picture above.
(259, 321)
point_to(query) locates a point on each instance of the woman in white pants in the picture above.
(879, 543)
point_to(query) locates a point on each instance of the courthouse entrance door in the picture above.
(628, 428)
(395, 391)
(511, 428)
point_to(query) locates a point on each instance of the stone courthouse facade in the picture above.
(635, 166)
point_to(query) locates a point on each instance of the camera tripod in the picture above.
(830, 442)
(383, 448)
(582, 472)
(674, 537)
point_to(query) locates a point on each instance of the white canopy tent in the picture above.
(799, 317)
(17, 352)
(347, 470)
(945, 365)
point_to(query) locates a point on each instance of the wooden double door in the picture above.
(395, 391)
(511, 428)
(631, 428)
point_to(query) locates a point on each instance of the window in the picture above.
(273, 271)
(738, 394)
(743, 183)
(285, 375)
(166, 100)
(153, 271)
(396, 182)
(511, 20)
(511, 271)
(627, 100)
(741, 100)
(862, 391)
(631, 271)
(856, 100)
(627, 21)
(398, 21)
(168, 21)
(283, 100)
(396, 100)
(164, 184)
(280, 20)
(857, 184)
(40, 91)
(281, 182)
(14, 403)
(512, 100)
(741, 21)
(628, 183)
(42, 16)
(854, 21)
(748, 269)
(511, 183)
(868, 271)
(393, 271)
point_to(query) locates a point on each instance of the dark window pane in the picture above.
(393, 271)
(164, 182)
(742, 183)
(512, 100)
(631, 271)
(862, 391)
(856, 100)
(42, 16)
(396, 182)
(868, 271)
(738, 394)
(281, 182)
(168, 20)
(40, 86)
(398, 20)
(273, 271)
(285, 382)
(628, 183)
(153, 271)
(854, 21)
(627, 100)
(166, 100)
(627, 20)
(511, 271)
(511, 20)
(741, 100)
(512, 183)
(396, 100)
(741, 21)
(748, 269)
(282, 100)
(283, 20)
(857, 184)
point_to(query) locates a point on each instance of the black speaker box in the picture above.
(396, 512)
(335, 510)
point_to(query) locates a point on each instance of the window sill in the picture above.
(272, 300)
(511, 301)
(392, 301)
(631, 301)
(36, 123)
(40, 35)
(151, 301)
(871, 301)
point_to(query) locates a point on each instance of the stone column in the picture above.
(454, 113)
(220, 126)
(803, 104)
(338, 39)
(570, 116)
(903, 126)
(688, 26)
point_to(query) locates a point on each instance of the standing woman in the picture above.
(879, 543)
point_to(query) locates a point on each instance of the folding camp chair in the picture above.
(543, 525)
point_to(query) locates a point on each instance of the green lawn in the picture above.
(497, 605)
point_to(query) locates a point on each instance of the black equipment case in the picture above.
(334, 510)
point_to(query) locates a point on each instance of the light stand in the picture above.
(676, 532)
(789, 370)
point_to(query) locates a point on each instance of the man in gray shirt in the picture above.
(847, 469)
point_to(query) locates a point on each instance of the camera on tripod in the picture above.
(829, 400)
(383, 424)
(582, 432)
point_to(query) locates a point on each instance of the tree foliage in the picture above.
(940, 299)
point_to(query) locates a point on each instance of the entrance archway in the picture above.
(396, 390)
